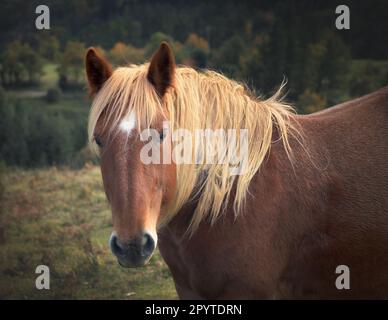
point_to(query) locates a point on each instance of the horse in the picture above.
(311, 201)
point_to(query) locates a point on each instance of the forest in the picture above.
(53, 208)
(43, 101)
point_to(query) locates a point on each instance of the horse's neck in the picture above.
(277, 174)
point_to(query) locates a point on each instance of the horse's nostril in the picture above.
(139, 248)
(115, 245)
(148, 244)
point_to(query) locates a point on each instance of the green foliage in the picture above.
(53, 95)
(367, 75)
(321, 65)
(123, 54)
(72, 66)
(196, 51)
(49, 78)
(228, 55)
(309, 102)
(48, 46)
(259, 47)
(33, 136)
(19, 65)
(154, 42)
(60, 217)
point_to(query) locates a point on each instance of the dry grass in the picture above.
(60, 218)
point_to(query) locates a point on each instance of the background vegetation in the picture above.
(60, 218)
(43, 104)
(52, 208)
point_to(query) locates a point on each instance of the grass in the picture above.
(50, 76)
(68, 103)
(60, 218)
(49, 79)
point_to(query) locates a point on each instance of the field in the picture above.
(60, 218)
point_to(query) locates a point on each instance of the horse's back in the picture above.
(353, 137)
(301, 220)
(349, 147)
(367, 102)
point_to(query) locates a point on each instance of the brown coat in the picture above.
(301, 221)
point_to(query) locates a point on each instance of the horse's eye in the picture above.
(98, 141)
(162, 135)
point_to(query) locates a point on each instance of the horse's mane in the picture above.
(204, 99)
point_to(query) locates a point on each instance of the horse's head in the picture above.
(139, 193)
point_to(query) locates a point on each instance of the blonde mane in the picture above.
(199, 100)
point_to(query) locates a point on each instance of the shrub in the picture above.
(310, 101)
(53, 95)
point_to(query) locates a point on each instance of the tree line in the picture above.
(260, 44)
(321, 69)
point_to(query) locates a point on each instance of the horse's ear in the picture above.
(162, 69)
(98, 70)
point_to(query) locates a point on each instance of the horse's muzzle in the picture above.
(133, 253)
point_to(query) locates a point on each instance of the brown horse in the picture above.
(313, 195)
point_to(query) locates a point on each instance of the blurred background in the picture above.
(52, 206)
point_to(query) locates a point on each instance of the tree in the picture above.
(48, 46)
(367, 76)
(197, 50)
(227, 57)
(334, 71)
(196, 42)
(309, 102)
(32, 63)
(72, 64)
(53, 95)
(20, 64)
(154, 43)
(252, 62)
(14, 126)
(122, 53)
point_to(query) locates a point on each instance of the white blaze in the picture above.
(129, 123)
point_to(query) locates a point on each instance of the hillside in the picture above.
(60, 218)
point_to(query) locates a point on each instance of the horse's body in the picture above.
(299, 223)
(312, 205)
